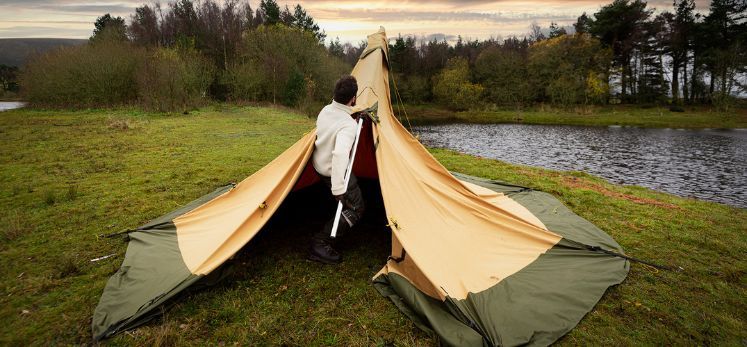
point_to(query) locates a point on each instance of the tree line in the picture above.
(622, 53)
(184, 53)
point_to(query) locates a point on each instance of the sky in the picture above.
(350, 20)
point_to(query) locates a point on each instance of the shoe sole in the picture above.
(319, 259)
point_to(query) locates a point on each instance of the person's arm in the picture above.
(341, 157)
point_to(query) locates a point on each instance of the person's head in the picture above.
(345, 90)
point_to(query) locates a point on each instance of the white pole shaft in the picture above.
(347, 177)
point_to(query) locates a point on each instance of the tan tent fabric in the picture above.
(480, 266)
(505, 203)
(212, 233)
(439, 220)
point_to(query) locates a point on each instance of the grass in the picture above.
(623, 115)
(66, 177)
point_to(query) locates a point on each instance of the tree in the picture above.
(503, 72)
(286, 17)
(8, 78)
(303, 21)
(535, 32)
(556, 30)
(144, 29)
(434, 56)
(725, 29)
(651, 84)
(352, 53)
(182, 23)
(248, 17)
(619, 25)
(107, 28)
(453, 88)
(583, 24)
(174, 79)
(681, 44)
(268, 71)
(336, 49)
(403, 56)
(569, 69)
(270, 12)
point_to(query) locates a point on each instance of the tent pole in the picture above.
(347, 176)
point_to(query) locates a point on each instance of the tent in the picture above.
(476, 262)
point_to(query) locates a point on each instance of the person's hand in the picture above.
(344, 202)
(359, 115)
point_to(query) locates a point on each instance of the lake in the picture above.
(9, 105)
(706, 164)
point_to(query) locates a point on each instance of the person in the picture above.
(335, 134)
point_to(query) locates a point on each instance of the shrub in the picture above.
(101, 74)
(174, 79)
(453, 88)
(503, 72)
(282, 64)
(412, 88)
(295, 88)
(569, 69)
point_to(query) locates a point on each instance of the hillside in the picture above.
(14, 52)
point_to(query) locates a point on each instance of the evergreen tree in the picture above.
(619, 25)
(107, 27)
(336, 49)
(583, 23)
(556, 30)
(676, 42)
(725, 29)
(303, 21)
(270, 12)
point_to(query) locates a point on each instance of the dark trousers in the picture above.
(352, 210)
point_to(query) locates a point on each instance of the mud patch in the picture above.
(577, 183)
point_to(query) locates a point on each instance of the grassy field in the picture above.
(625, 115)
(66, 177)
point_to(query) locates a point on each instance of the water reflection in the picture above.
(706, 164)
(9, 105)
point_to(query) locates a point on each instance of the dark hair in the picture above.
(345, 89)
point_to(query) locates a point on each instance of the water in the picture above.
(705, 164)
(9, 105)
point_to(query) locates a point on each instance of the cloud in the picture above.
(390, 15)
(42, 31)
(48, 21)
(348, 19)
(440, 37)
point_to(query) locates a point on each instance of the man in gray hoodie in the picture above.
(335, 136)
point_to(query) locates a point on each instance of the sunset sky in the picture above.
(350, 20)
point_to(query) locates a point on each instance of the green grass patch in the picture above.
(66, 177)
(623, 115)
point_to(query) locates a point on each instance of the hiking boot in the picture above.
(323, 252)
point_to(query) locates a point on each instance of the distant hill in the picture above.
(14, 52)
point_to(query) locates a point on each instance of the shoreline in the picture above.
(621, 115)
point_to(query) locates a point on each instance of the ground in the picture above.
(622, 115)
(67, 177)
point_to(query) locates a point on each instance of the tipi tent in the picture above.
(476, 262)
